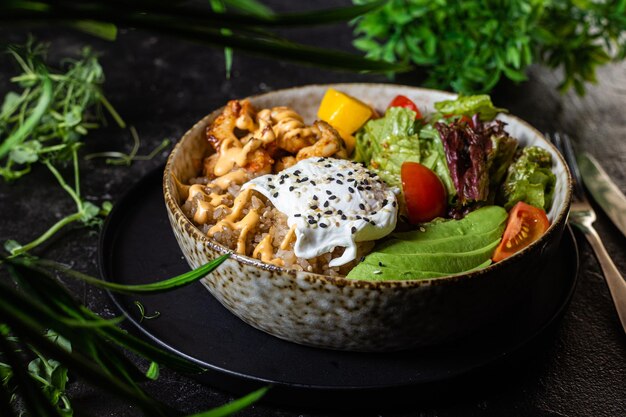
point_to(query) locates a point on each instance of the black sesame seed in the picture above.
(339, 174)
(339, 182)
(296, 172)
(393, 204)
(353, 230)
(351, 190)
(326, 204)
(291, 188)
(313, 183)
(332, 197)
(358, 217)
(350, 172)
(323, 225)
(281, 182)
(350, 179)
(313, 207)
(380, 263)
(327, 166)
(362, 206)
(319, 215)
(312, 221)
(328, 212)
(305, 179)
(385, 202)
(275, 195)
(271, 187)
(329, 192)
(297, 215)
(315, 197)
(344, 217)
(373, 212)
(372, 223)
(339, 211)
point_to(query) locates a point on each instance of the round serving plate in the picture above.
(137, 246)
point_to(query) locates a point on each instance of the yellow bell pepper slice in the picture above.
(345, 113)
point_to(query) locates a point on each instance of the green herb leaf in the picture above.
(29, 124)
(103, 30)
(153, 371)
(155, 287)
(234, 406)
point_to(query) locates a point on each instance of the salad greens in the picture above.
(479, 165)
(529, 179)
(468, 106)
(471, 162)
(477, 157)
(385, 143)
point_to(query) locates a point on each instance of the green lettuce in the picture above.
(529, 179)
(384, 144)
(469, 106)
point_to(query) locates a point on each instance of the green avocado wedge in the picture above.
(439, 248)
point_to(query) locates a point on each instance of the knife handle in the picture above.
(614, 280)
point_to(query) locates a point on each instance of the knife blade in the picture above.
(603, 190)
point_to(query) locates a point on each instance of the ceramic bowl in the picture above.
(338, 313)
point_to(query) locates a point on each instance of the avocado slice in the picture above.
(439, 248)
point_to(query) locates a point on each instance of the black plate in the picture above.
(138, 246)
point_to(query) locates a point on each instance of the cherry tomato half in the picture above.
(424, 193)
(402, 101)
(524, 225)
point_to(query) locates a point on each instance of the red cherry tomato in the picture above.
(424, 193)
(402, 101)
(524, 225)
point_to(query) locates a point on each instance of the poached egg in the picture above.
(332, 203)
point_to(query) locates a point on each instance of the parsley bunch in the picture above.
(469, 46)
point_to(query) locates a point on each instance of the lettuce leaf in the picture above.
(469, 106)
(529, 179)
(384, 144)
(477, 158)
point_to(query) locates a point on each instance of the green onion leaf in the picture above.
(234, 406)
(103, 30)
(155, 287)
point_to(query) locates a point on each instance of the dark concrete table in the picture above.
(162, 86)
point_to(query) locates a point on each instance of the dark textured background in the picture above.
(162, 86)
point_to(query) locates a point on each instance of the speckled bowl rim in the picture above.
(192, 230)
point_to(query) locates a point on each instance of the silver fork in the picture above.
(582, 216)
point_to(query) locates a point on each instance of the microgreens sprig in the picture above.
(46, 124)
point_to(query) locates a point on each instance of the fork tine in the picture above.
(570, 155)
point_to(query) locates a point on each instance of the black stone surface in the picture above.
(162, 86)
